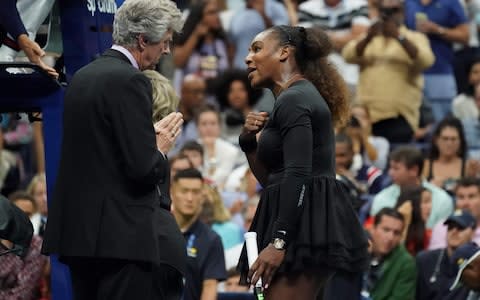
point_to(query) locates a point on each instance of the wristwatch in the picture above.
(401, 38)
(279, 244)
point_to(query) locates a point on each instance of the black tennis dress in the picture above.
(303, 203)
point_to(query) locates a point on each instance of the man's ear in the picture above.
(142, 42)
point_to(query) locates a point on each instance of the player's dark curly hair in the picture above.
(312, 46)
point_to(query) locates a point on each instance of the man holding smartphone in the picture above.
(392, 59)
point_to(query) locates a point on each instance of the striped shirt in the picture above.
(341, 17)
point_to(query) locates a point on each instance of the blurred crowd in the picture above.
(409, 157)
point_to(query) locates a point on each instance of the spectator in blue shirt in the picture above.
(445, 23)
(205, 255)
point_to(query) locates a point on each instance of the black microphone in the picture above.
(15, 226)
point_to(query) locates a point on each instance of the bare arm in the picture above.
(374, 30)
(458, 34)
(292, 11)
(209, 289)
(259, 6)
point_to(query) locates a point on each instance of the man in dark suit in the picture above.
(109, 218)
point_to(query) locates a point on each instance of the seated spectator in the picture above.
(192, 97)
(194, 151)
(20, 276)
(380, 144)
(236, 98)
(447, 160)
(242, 180)
(464, 106)
(231, 284)
(415, 204)
(206, 262)
(405, 169)
(467, 197)
(391, 59)
(202, 46)
(392, 269)
(241, 185)
(179, 162)
(367, 179)
(37, 188)
(360, 142)
(467, 282)
(434, 271)
(230, 233)
(220, 157)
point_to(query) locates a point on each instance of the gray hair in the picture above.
(165, 100)
(152, 18)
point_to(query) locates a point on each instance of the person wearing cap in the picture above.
(467, 196)
(466, 285)
(434, 275)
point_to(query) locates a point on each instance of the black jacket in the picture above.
(111, 178)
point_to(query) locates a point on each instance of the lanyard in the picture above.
(191, 250)
(433, 278)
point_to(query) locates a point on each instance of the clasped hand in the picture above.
(167, 131)
(255, 121)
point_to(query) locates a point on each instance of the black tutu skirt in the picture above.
(328, 234)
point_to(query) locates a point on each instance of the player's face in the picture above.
(262, 60)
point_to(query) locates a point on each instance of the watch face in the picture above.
(279, 244)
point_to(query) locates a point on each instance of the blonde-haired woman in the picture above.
(165, 99)
(218, 216)
(37, 188)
